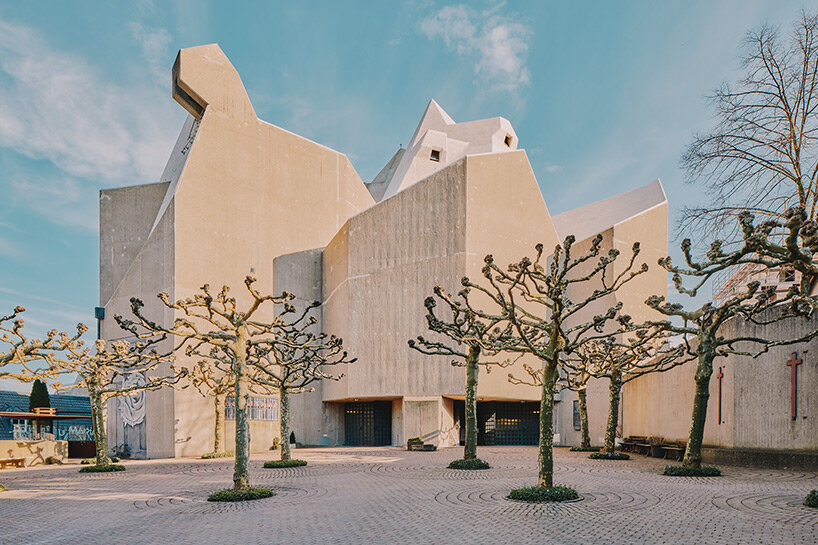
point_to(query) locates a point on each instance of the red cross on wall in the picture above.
(794, 362)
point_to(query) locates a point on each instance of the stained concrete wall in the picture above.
(247, 193)
(755, 397)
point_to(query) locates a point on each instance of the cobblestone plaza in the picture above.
(388, 495)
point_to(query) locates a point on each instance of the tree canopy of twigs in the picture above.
(299, 359)
(546, 301)
(761, 155)
(17, 349)
(470, 336)
(702, 328)
(207, 320)
(114, 369)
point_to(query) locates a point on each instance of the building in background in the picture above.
(240, 196)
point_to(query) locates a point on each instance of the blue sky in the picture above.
(604, 96)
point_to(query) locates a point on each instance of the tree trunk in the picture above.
(472, 370)
(583, 419)
(284, 398)
(693, 452)
(98, 422)
(241, 480)
(218, 443)
(545, 458)
(613, 413)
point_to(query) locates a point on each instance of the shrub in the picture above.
(585, 449)
(2, 488)
(536, 494)
(477, 463)
(415, 440)
(273, 464)
(102, 469)
(93, 461)
(609, 456)
(209, 455)
(810, 501)
(247, 494)
(682, 471)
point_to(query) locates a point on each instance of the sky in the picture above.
(603, 96)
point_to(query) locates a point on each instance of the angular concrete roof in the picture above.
(590, 220)
(438, 141)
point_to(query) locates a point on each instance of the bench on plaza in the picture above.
(16, 462)
(675, 449)
(630, 442)
(643, 447)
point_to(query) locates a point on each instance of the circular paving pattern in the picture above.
(388, 495)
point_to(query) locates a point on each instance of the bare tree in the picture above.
(209, 379)
(209, 320)
(472, 338)
(577, 381)
(16, 348)
(289, 366)
(761, 155)
(546, 304)
(702, 328)
(110, 370)
(643, 351)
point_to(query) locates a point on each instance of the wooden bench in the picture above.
(629, 444)
(675, 449)
(17, 462)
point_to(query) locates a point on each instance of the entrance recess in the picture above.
(368, 423)
(503, 422)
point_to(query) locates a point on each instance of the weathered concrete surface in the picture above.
(240, 193)
(387, 496)
(755, 396)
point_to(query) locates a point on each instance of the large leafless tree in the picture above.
(547, 301)
(207, 320)
(471, 338)
(110, 370)
(761, 155)
(298, 359)
(703, 328)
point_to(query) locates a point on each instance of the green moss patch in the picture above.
(93, 461)
(102, 469)
(477, 463)
(810, 501)
(273, 464)
(247, 494)
(535, 494)
(682, 471)
(209, 455)
(3, 488)
(585, 449)
(609, 456)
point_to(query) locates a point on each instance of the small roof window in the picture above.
(435, 156)
(508, 140)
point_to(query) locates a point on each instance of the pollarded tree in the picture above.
(209, 379)
(472, 338)
(207, 321)
(110, 370)
(298, 359)
(16, 348)
(577, 380)
(703, 328)
(547, 302)
(645, 351)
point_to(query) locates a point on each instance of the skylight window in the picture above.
(435, 156)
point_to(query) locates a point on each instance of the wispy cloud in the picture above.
(155, 44)
(497, 44)
(551, 168)
(56, 106)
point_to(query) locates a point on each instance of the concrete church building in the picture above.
(240, 196)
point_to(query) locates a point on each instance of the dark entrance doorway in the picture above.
(368, 423)
(502, 422)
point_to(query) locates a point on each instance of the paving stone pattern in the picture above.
(388, 495)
